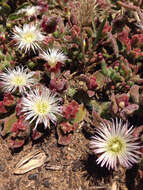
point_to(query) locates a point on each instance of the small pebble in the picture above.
(2, 167)
(24, 182)
(76, 166)
(6, 174)
(5, 187)
(33, 177)
(46, 183)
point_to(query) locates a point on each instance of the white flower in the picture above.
(28, 37)
(30, 11)
(42, 106)
(115, 144)
(53, 56)
(17, 79)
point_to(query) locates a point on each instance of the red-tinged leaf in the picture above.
(130, 109)
(92, 83)
(16, 143)
(140, 173)
(8, 100)
(101, 79)
(137, 131)
(2, 108)
(36, 135)
(96, 118)
(64, 139)
(70, 110)
(134, 92)
(8, 124)
(122, 99)
(114, 106)
(19, 107)
(22, 124)
(141, 149)
(58, 85)
(90, 93)
(66, 127)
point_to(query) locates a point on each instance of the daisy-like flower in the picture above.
(28, 37)
(17, 79)
(115, 144)
(30, 11)
(41, 106)
(55, 58)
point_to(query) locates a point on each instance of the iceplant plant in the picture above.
(28, 37)
(41, 106)
(54, 58)
(115, 144)
(17, 79)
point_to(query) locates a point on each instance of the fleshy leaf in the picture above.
(99, 33)
(101, 79)
(8, 124)
(13, 17)
(36, 135)
(16, 143)
(2, 108)
(64, 139)
(5, 9)
(134, 92)
(80, 114)
(8, 100)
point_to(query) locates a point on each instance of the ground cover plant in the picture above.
(73, 69)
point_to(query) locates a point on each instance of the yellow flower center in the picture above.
(18, 80)
(116, 145)
(52, 62)
(41, 107)
(29, 37)
(122, 104)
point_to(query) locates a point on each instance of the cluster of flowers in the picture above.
(29, 37)
(39, 105)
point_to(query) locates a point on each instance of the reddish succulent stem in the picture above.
(128, 6)
(114, 43)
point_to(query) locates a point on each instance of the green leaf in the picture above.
(5, 9)
(8, 123)
(99, 32)
(80, 114)
(3, 1)
(24, 5)
(13, 17)
(100, 79)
